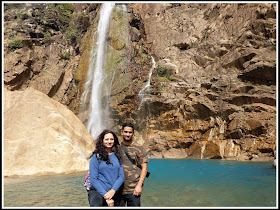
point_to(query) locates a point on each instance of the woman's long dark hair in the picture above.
(101, 149)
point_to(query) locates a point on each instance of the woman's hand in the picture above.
(110, 202)
(108, 197)
(110, 194)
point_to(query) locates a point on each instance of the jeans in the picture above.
(96, 199)
(130, 200)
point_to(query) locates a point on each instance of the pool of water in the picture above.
(172, 183)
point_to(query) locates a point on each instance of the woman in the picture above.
(106, 171)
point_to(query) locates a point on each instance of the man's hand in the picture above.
(137, 190)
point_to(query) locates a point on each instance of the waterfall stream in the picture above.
(202, 150)
(143, 96)
(95, 123)
(142, 91)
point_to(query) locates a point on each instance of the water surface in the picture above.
(172, 183)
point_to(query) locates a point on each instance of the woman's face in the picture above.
(108, 140)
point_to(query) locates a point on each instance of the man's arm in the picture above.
(138, 188)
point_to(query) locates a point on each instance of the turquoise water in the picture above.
(173, 183)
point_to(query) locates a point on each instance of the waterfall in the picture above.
(222, 129)
(141, 92)
(202, 151)
(144, 111)
(141, 95)
(212, 124)
(95, 123)
(211, 134)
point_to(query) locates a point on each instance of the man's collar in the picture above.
(127, 143)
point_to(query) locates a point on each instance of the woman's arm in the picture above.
(116, 185)
(120, 179)
(93, 174)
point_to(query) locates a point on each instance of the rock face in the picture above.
(42, 136)
(50, 36)
(212, 92)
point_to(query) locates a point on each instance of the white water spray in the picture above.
(95, 122)
(143, 95)
(202, 151)
(142, 91)
(212, 123)
(211, 134)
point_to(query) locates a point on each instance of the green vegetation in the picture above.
(47, 37)
(80, 21)
(144, 54)
(64, 55)
(65, 11)
(72, 24)
(15, 44)
(164, 72)
(21, 14)
(72, 35)
(51, 18)
(11, 6)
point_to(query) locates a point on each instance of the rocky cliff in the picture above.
(213, 90)
(218, 99)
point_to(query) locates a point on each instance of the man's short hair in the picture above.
(128, 124)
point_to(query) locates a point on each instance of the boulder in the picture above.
(42, 136)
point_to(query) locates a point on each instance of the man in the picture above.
(134, 176)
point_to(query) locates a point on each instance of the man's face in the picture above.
(127, 133)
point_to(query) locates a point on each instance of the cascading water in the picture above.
(202, 151)
(142, 91)
(143, 95)
(212, 123)
(95, 123)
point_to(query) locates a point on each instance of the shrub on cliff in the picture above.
(72, 35)
(64, 55)
(164, 72)
(12, 6)
(15, 44)
(64, 13)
